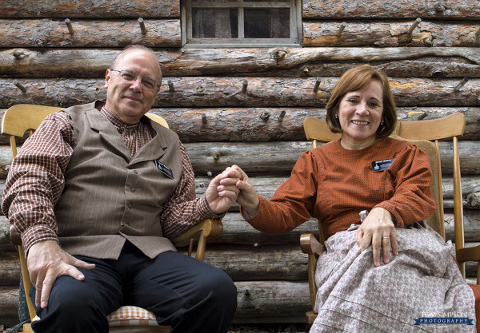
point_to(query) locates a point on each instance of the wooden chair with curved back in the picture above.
(21, 118)
(426, 134)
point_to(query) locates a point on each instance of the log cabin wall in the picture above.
(246, 106)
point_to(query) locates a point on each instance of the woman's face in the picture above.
(360, 113)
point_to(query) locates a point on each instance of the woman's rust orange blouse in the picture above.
(334, 185)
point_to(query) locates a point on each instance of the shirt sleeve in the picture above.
(292, 203)
(183, 210)
(413, 199)
(35, 180)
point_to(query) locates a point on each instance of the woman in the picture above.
(367, 170)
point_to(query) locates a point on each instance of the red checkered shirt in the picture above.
(35, 181)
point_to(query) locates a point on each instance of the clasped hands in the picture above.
(377, 230)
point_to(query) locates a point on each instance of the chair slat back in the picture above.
(21, 118)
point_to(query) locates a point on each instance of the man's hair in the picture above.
(355, 79)
(133, 47)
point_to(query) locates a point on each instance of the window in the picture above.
(254, 23)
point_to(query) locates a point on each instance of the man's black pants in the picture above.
(185, 293)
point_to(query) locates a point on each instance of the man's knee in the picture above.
(220, 289)
(71, 307)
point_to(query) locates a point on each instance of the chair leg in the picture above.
(27, 328)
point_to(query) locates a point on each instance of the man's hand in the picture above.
(222, 191)
(247, 198)
(46, 261)
(378, 230)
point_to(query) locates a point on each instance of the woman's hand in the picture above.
(378, 230)
(247, 198)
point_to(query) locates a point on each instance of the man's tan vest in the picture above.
(108, 199)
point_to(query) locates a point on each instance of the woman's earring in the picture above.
(381, 123)
(336, 116)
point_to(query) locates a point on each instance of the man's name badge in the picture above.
(378, 166)
(164, 169)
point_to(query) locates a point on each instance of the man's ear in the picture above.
(107, 78)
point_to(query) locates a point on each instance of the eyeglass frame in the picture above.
(135, 77)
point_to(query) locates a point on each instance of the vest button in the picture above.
(129, 205)
(132, 189)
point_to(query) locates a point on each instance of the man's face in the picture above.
(129, 94)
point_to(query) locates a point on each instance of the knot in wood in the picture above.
(246, 292)
(216, 156)
(280, 54)
(440, 8)
(18, 54)
(264, 116)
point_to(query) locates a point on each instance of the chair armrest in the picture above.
(468, 254)
(211, 229)
(14, 236)
(310, 245)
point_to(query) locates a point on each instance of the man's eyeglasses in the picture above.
(132, 77)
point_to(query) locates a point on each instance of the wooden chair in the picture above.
(421, 133)
(25, 117)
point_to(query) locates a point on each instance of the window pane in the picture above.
(267, 23)
(214, 23)
(215, 1)
(264, 0)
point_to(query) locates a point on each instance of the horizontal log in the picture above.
(238, 232)
(314, 62)
(10, 272)
(9, 306)
(390, 34)
(272, 158)
(54, 33)
(241, 263)
(224, 92)
(432, 9)
(460, 10)
(278, 158)
(166, 33)
(258, 302)
(90, 9)
(266, 187)
(247, 125)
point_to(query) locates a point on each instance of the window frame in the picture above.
(295, 39)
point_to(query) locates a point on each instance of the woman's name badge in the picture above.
(378, 166)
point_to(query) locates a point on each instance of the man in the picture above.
(96, 193)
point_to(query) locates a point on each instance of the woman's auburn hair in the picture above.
(355, 79)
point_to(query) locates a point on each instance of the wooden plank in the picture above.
(91, 9)
(246, 124)
(258, 302)
(272, 158)
(313, 62)
(390, 34)
(10, 272)
(357, 9)
(227, 92)
(25, 33)
(278, 158)
(166, 33)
